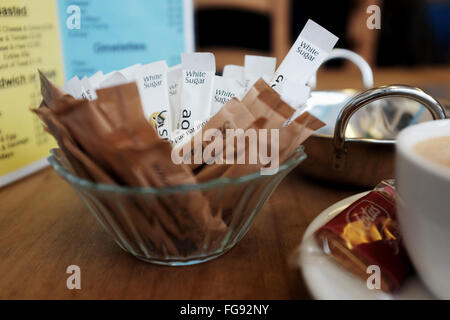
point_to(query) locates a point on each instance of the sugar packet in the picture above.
(224, 90)
(198, 71)
(256, 67)
(153, 88)
(174, 79)
(310, 49)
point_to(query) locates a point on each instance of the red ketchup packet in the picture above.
(366, 233)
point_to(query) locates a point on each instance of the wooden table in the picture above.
(44, 228)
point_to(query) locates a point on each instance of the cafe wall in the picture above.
(411, 33)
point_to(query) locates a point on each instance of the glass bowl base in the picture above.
(182, 262)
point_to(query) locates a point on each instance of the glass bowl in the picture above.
(143, 221)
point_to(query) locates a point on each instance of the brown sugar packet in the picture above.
(139, 158)
(95, 123)
(228, 196)
(105, 118)
(187, 214)
(266, 105)
(237, 115)
(263, 101)
(130, 114)
(263, 106)
(216, 169)
(247, 151)
(300, 129)
(259, 86)
(274, 101)
(66, 142)
(297, 132)
(84, 167)
(55, 99)
(241, 194)
(129, 118)
(290, 138)
(232, 115)
(190, 210)
(116, 119)
(269, 103)
(51, 94)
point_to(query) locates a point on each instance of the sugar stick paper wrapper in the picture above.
(236, 73)
(198, 70)
(68, 87)
(152, 84)
(96, 79)
(113, 80)
(87, 89)
(258, 67)
(174, 79)
(181, 136)
(130, 72)
(296, 96)
(80, 89)
(224, 90)
(122, 76)
(233, 71)
(310, 49)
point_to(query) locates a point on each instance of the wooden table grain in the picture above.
(44, 228)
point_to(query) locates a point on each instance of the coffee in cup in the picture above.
(423, 201)
(435, 149)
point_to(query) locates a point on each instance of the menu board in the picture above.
(114, 34)
(29, 39)
(64, 38)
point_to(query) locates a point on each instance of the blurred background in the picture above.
(414, 33)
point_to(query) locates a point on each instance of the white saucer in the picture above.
(327, 280)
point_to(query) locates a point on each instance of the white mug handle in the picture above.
(366, 70)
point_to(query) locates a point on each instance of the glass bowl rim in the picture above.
(296, 157)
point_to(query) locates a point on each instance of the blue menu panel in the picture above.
(114, 34)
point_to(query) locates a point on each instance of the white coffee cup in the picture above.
(423, 204)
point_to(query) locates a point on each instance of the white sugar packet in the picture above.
(80, 89)
(198, 71)
(296, 95)
(231, 71)
(130, 72)
(174, 79)
(180, 136)
(153, 89)
(87, 89)
(106, 76)
(112, 80)
(258, 67)
(310, 49)
(96, 79)
(224, 90)
(72, 87)
(122, 76)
